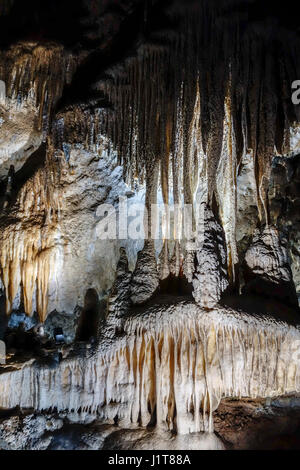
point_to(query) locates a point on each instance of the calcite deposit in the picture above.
(149, 225)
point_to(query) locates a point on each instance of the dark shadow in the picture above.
(3, 317)
(259, 305)
(89, 318)
(176, 285)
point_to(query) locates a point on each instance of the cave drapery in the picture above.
(184, 104)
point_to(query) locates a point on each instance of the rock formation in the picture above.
(149, 225)
(210, 274)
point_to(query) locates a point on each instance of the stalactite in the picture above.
(29, 251)
(173, 367)
(226, 184)
(153, 95)
(37, 74)
(186, 106)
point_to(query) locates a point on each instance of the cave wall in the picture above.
(150, 103)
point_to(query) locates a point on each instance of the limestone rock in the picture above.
(163, 262)
(119, 302)
(21, 433)
(210, 276)
(267, 266)
(145, 280)
(234, 355)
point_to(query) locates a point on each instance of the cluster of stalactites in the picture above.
(172, 368)
(29, 250)
(170, 103)
(37, 74)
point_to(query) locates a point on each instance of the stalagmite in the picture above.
(163, 262)
(210, 275)
(145, 279)
(118, 301)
